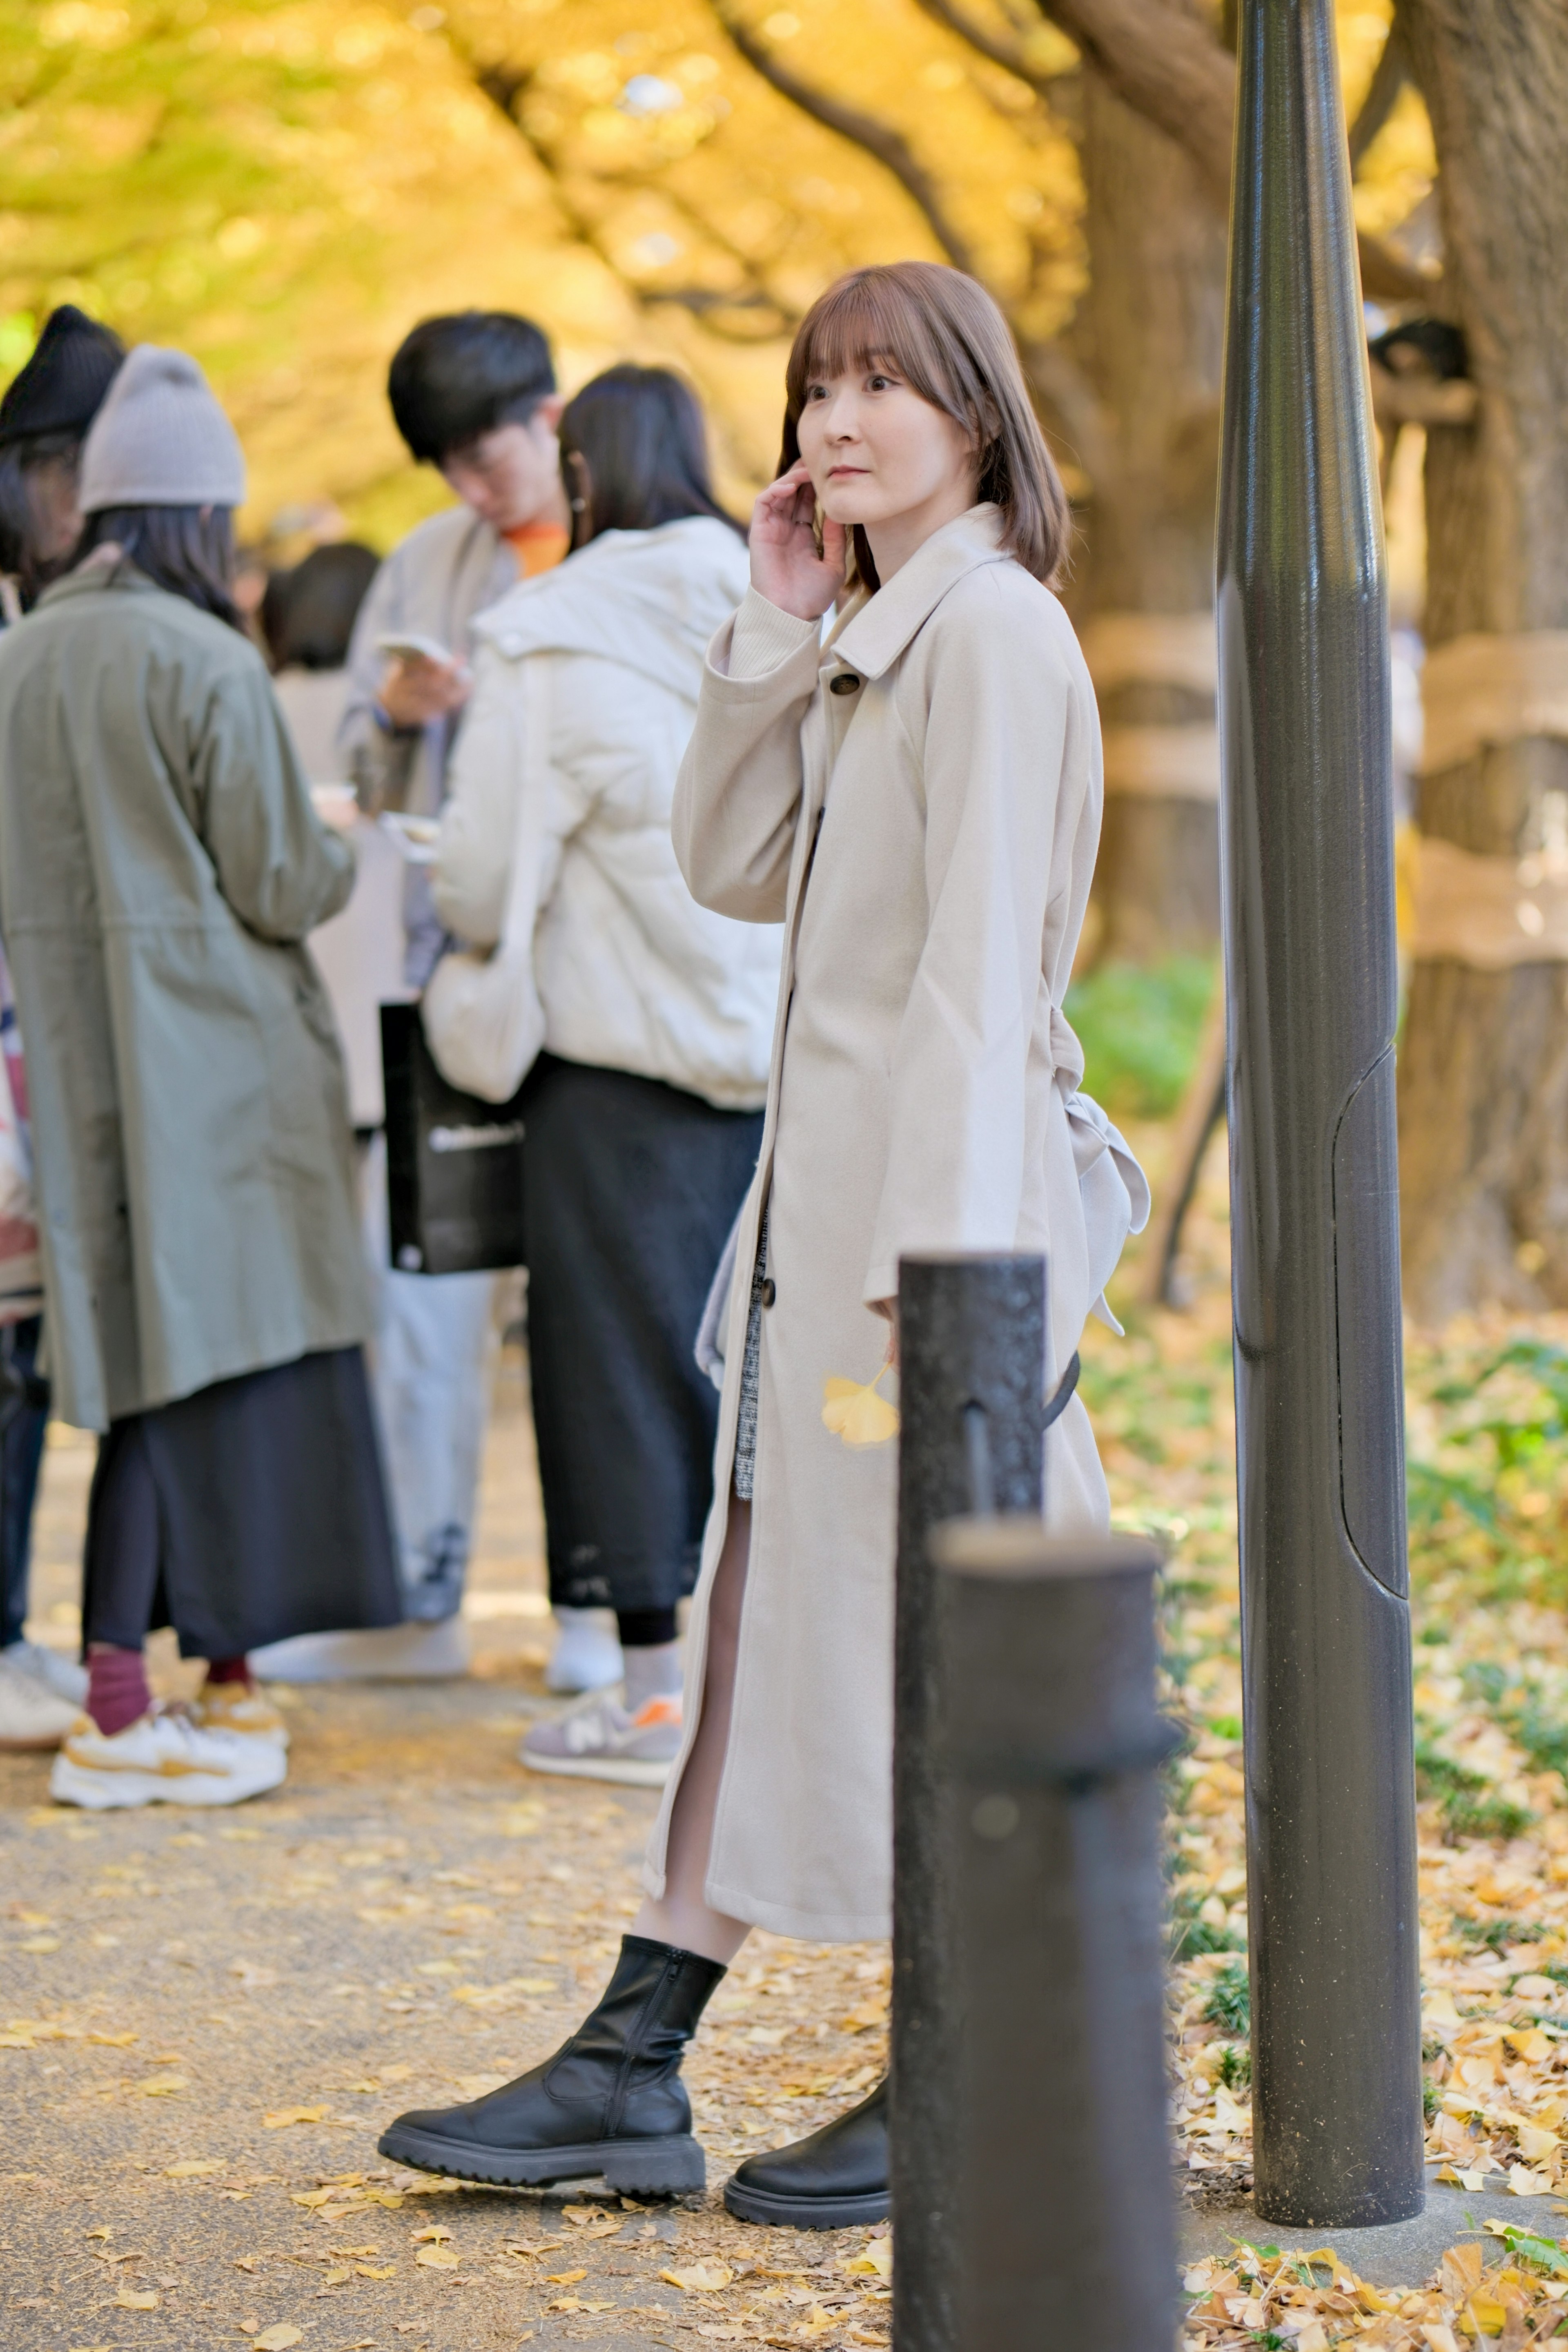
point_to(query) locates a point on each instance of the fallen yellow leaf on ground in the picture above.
(285, 2115)
(192, 2168)
(438, 2258)
(1523, 2182)
(337, 2277)
(128, 2299)
(432, 2236)
(703, 2278)
(370, 2270)
(114, 2040)
(277, 2338)
(161, 2087)
(564, 2278)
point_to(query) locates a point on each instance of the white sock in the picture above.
(587, 1655)
(652, 1673)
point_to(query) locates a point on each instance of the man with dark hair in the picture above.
(472, 395)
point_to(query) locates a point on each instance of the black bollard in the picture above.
(1307, 829)
(1049, 1814)
(971, 1379)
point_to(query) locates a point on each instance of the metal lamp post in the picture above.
(1307, 832)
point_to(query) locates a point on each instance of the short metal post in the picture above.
(971, 1379)
(1307, 822)
(1051, 1819)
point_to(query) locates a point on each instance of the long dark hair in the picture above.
(638, 432)
(307, 614)
(189, 550)
(945, 336)
(20, 460)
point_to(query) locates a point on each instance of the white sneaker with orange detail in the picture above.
(240, 1708)
(599, 1742)
(161, 1758)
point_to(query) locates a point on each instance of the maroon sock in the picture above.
(228, 1669)
(117, 1690)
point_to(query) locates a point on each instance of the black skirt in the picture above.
(251, 1511)
(630, 1189)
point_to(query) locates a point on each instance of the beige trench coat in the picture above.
(917, 1100)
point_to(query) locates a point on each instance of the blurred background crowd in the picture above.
(580, 197)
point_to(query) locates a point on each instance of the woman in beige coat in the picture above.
(918, 802)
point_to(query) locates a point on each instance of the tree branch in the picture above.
(1388, 80)
(879, 139)
(1170, 69)
(1010, 55)
(765, 317)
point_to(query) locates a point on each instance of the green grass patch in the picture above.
(1229, 2002)
(1140, 1025)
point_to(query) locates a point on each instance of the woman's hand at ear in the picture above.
(785, 565)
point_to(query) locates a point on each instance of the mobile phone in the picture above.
(411, 645)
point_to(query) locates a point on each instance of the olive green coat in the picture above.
(160, 867)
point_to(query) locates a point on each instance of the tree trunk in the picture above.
(1149, 335)
(1483, 1078)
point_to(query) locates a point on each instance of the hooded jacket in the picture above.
(585, 694)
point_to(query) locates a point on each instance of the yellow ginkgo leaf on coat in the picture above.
(854, 1411)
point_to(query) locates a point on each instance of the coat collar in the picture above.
(91, 579)
(874, 634)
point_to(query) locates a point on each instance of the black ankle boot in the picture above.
(834, 2180)
(611, 2100)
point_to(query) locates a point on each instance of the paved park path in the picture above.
(205, 2019)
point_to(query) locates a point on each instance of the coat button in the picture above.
(769, 1290)
(845, 683)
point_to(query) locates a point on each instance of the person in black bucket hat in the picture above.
(44, 417)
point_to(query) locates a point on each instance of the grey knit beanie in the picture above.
(160, 439)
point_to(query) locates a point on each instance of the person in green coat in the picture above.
(160, 865)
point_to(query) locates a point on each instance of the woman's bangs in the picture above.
(868, 321)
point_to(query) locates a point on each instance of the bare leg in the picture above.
(683, 1917)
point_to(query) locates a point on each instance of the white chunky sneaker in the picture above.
(417, 1652)
(587, 1653)
(599, 1742)
(30, 1714)
(62, 1676)
(161, 1758)
(241, 1708)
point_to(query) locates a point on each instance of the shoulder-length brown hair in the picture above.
(945, 337)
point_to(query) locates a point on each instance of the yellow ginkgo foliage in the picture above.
(854, 1410)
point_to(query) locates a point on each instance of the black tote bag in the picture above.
(455, 1164)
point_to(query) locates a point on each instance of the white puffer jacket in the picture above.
(586, 685)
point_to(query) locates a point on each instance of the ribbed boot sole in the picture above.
(674, 2166)
(777, 2213)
